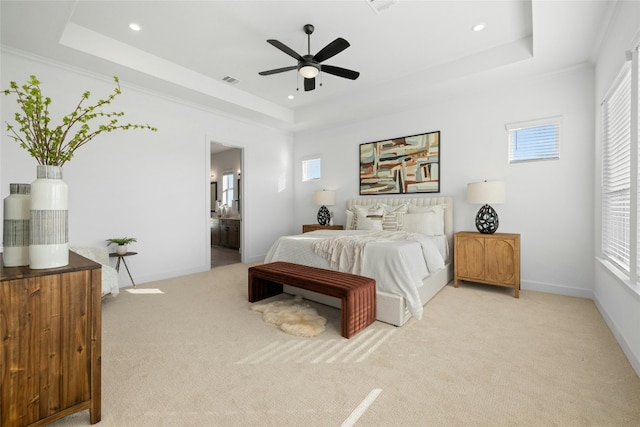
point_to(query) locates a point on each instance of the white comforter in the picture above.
(398, 265)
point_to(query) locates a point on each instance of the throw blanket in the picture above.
(345, 253)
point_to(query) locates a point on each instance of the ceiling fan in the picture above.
(309, 65)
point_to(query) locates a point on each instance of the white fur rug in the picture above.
(293, 316)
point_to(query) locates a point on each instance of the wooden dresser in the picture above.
(50, 355)
(493, 259)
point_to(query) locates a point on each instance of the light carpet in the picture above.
(197, 356)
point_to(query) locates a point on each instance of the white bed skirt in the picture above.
(390, 308)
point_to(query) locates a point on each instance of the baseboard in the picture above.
(626, 349)
(556, 289)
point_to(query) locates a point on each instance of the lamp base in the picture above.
(324, 216)
(487, 220)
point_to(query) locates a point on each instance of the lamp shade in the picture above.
(324, 198)
(486, 192)
(309, 71)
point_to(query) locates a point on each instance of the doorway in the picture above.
(226, 204)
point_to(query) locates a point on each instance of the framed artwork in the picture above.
(410, 164)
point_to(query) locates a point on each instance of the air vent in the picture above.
(380, 6)
(231, 80)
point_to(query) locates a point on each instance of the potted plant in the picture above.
(121, 243)
(53, 146)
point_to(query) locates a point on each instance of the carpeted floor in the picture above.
(196, 355)
(223, 256)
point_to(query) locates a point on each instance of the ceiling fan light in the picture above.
(309, 71)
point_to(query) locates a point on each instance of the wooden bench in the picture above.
(358, 293)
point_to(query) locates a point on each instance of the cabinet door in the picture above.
(470, 257)
(500, 261)
(224, 234)
(215, 232)
(234, 235)
(47, 347)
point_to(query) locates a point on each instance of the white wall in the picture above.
(618, 301)
(548, 203)
(154, 185)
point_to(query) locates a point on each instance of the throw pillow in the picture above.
(393, 218)
(428, 221)
(369, 218)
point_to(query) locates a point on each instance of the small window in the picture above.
(310, 169)
(534, 140)
(227, 189)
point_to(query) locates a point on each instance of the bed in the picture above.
(410, 267)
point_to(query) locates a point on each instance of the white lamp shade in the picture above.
(486, 192)
(324, 198)
(309, 71)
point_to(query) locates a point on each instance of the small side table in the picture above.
(313, 227)
(121, 258)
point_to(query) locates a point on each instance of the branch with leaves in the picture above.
(55, 146)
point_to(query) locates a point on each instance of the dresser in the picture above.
(493, 259)
(313, 227)
(51, 328)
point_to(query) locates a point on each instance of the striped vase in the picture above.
(16, 226)
(49, 234)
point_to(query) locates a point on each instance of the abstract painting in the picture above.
(410, 164)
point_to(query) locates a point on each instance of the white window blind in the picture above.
(534, 140)
(616, 172)
(310, 169)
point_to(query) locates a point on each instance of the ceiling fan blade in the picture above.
(309, 84)
(332, 49)
(340, 72)
(286, 49)
(277, 70)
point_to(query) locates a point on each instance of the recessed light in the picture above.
(479, 27)
(134, 26)
(290, 97)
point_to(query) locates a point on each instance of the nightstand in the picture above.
(493, 259)
(313, 227)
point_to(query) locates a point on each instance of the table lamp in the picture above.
(322, 199)
(484, 193)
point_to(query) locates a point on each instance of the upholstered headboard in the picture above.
(418, 201)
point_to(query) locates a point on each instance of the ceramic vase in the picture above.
(16, 226)
(121, 249)
(49, 226)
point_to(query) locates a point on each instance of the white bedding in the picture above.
(398, 266)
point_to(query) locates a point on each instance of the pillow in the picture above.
(429, 222)
(369, 218)
(352, 216)
(393, 217)
(429, 208)
(351, 220)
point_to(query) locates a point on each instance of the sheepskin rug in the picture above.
(293, 316)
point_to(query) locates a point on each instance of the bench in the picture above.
(358, 293)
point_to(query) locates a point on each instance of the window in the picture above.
(620, 164)
(616, 171)
(310, 169)
(227, 189)
(534, 140)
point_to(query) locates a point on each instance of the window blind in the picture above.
(616, 172)
(534, 140)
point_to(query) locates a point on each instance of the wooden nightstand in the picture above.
(313, 227)
(493, 259)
